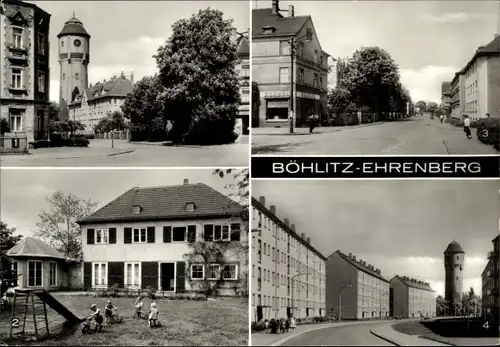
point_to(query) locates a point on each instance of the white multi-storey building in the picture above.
(288, 273)
(354, 289)
(412, 298)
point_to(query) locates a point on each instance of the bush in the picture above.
(151, 293)
(487, 130)
(89, 136)
(210, 132)
(258, 326)
(79, 141)
(41, 144)
(115, 289)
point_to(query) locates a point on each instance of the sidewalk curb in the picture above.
(294, 335)
(384, 338)
(325, 133)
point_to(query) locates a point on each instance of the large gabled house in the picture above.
(140, 240)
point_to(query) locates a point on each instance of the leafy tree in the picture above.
(339, 100)
(240, 184)
(422, 105)
(371, 76)
(58, 226)
(113, 121)
(7, 241)
(144, 109)
(66, 126)
(197, 70)
(439, 111)
(431, 106)
(54, 110)
(441, 306)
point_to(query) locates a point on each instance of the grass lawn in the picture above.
(222, 322)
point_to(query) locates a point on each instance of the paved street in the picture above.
(420, 135)
(126, 154)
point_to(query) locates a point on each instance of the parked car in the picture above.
(79, 140)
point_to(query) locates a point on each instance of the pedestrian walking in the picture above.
(467, 131)
(293, 324)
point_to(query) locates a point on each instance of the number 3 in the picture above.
(15, 322)
(486, 325)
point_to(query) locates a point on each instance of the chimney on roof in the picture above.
(275, 6)
(353, 257)
(291, 11)
(292, 226)
(186, 181)
(308, 240)
(132, 77)
(350, 255)
(122, 74)
(104, 80)
(303, 236)
(286, 221)
(90, 85)
(272, 208)
(262, 200)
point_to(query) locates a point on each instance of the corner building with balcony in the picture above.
(491, 283)
(411, 298)
(355, 289)
(288, 273)
(272, 71)
(25, 72)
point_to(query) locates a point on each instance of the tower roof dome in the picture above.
(454, 247)
(73, 27)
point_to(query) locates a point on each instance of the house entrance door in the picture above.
(167, 275)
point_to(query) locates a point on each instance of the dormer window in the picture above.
(136, 209)
(269, 30)
(190, 206)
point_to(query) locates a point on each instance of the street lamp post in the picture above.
(340, 299)
(293, 43)
(293, 292)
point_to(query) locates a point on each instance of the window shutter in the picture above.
(87, 275)
(151, 234)
(208, 231)
(112, 235)
(191, 236)
(235, 232)
(153, 274)
(90, 236)
(167, 234)
(181, 277)
(116, 271)
(145, 275)
(127, 235)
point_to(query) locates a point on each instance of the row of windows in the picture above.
(278, 280)
(18, 40)
(318, 58)
(471, 107)
(284, 77)
(472, 88)
(133, 273)
(18, 77)
(35, 273)
(212, 232)
(279, 302)
(16, 120)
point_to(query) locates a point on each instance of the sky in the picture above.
(400, 227)
(24, 192)
(429, 40)
(126, 34)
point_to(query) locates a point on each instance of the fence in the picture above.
(13, 145)
(117, 135)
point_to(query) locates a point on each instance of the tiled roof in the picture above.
(361, 267)
(407, 281)
(283, 25)
(31, 247)
(73, 27)
(166, 203)
(115, 87)
(454, 247)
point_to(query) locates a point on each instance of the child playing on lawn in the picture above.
(97, 316)
(109, 311)
(138, 306)
(153, 316)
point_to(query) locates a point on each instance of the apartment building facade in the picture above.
(411, 298)
(288, 273)
(457, 93)
(446, 96)
(169, 220)
(482, 81)
(272, 70)
(491, 282)
(25, 78)
(355, 289)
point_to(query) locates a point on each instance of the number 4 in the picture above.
(486, 325)
(15, 323)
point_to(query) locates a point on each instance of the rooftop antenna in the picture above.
(74, 14)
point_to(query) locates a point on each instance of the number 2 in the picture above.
(486, 325)
(15, 322)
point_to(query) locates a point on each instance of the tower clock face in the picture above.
(77, 43)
